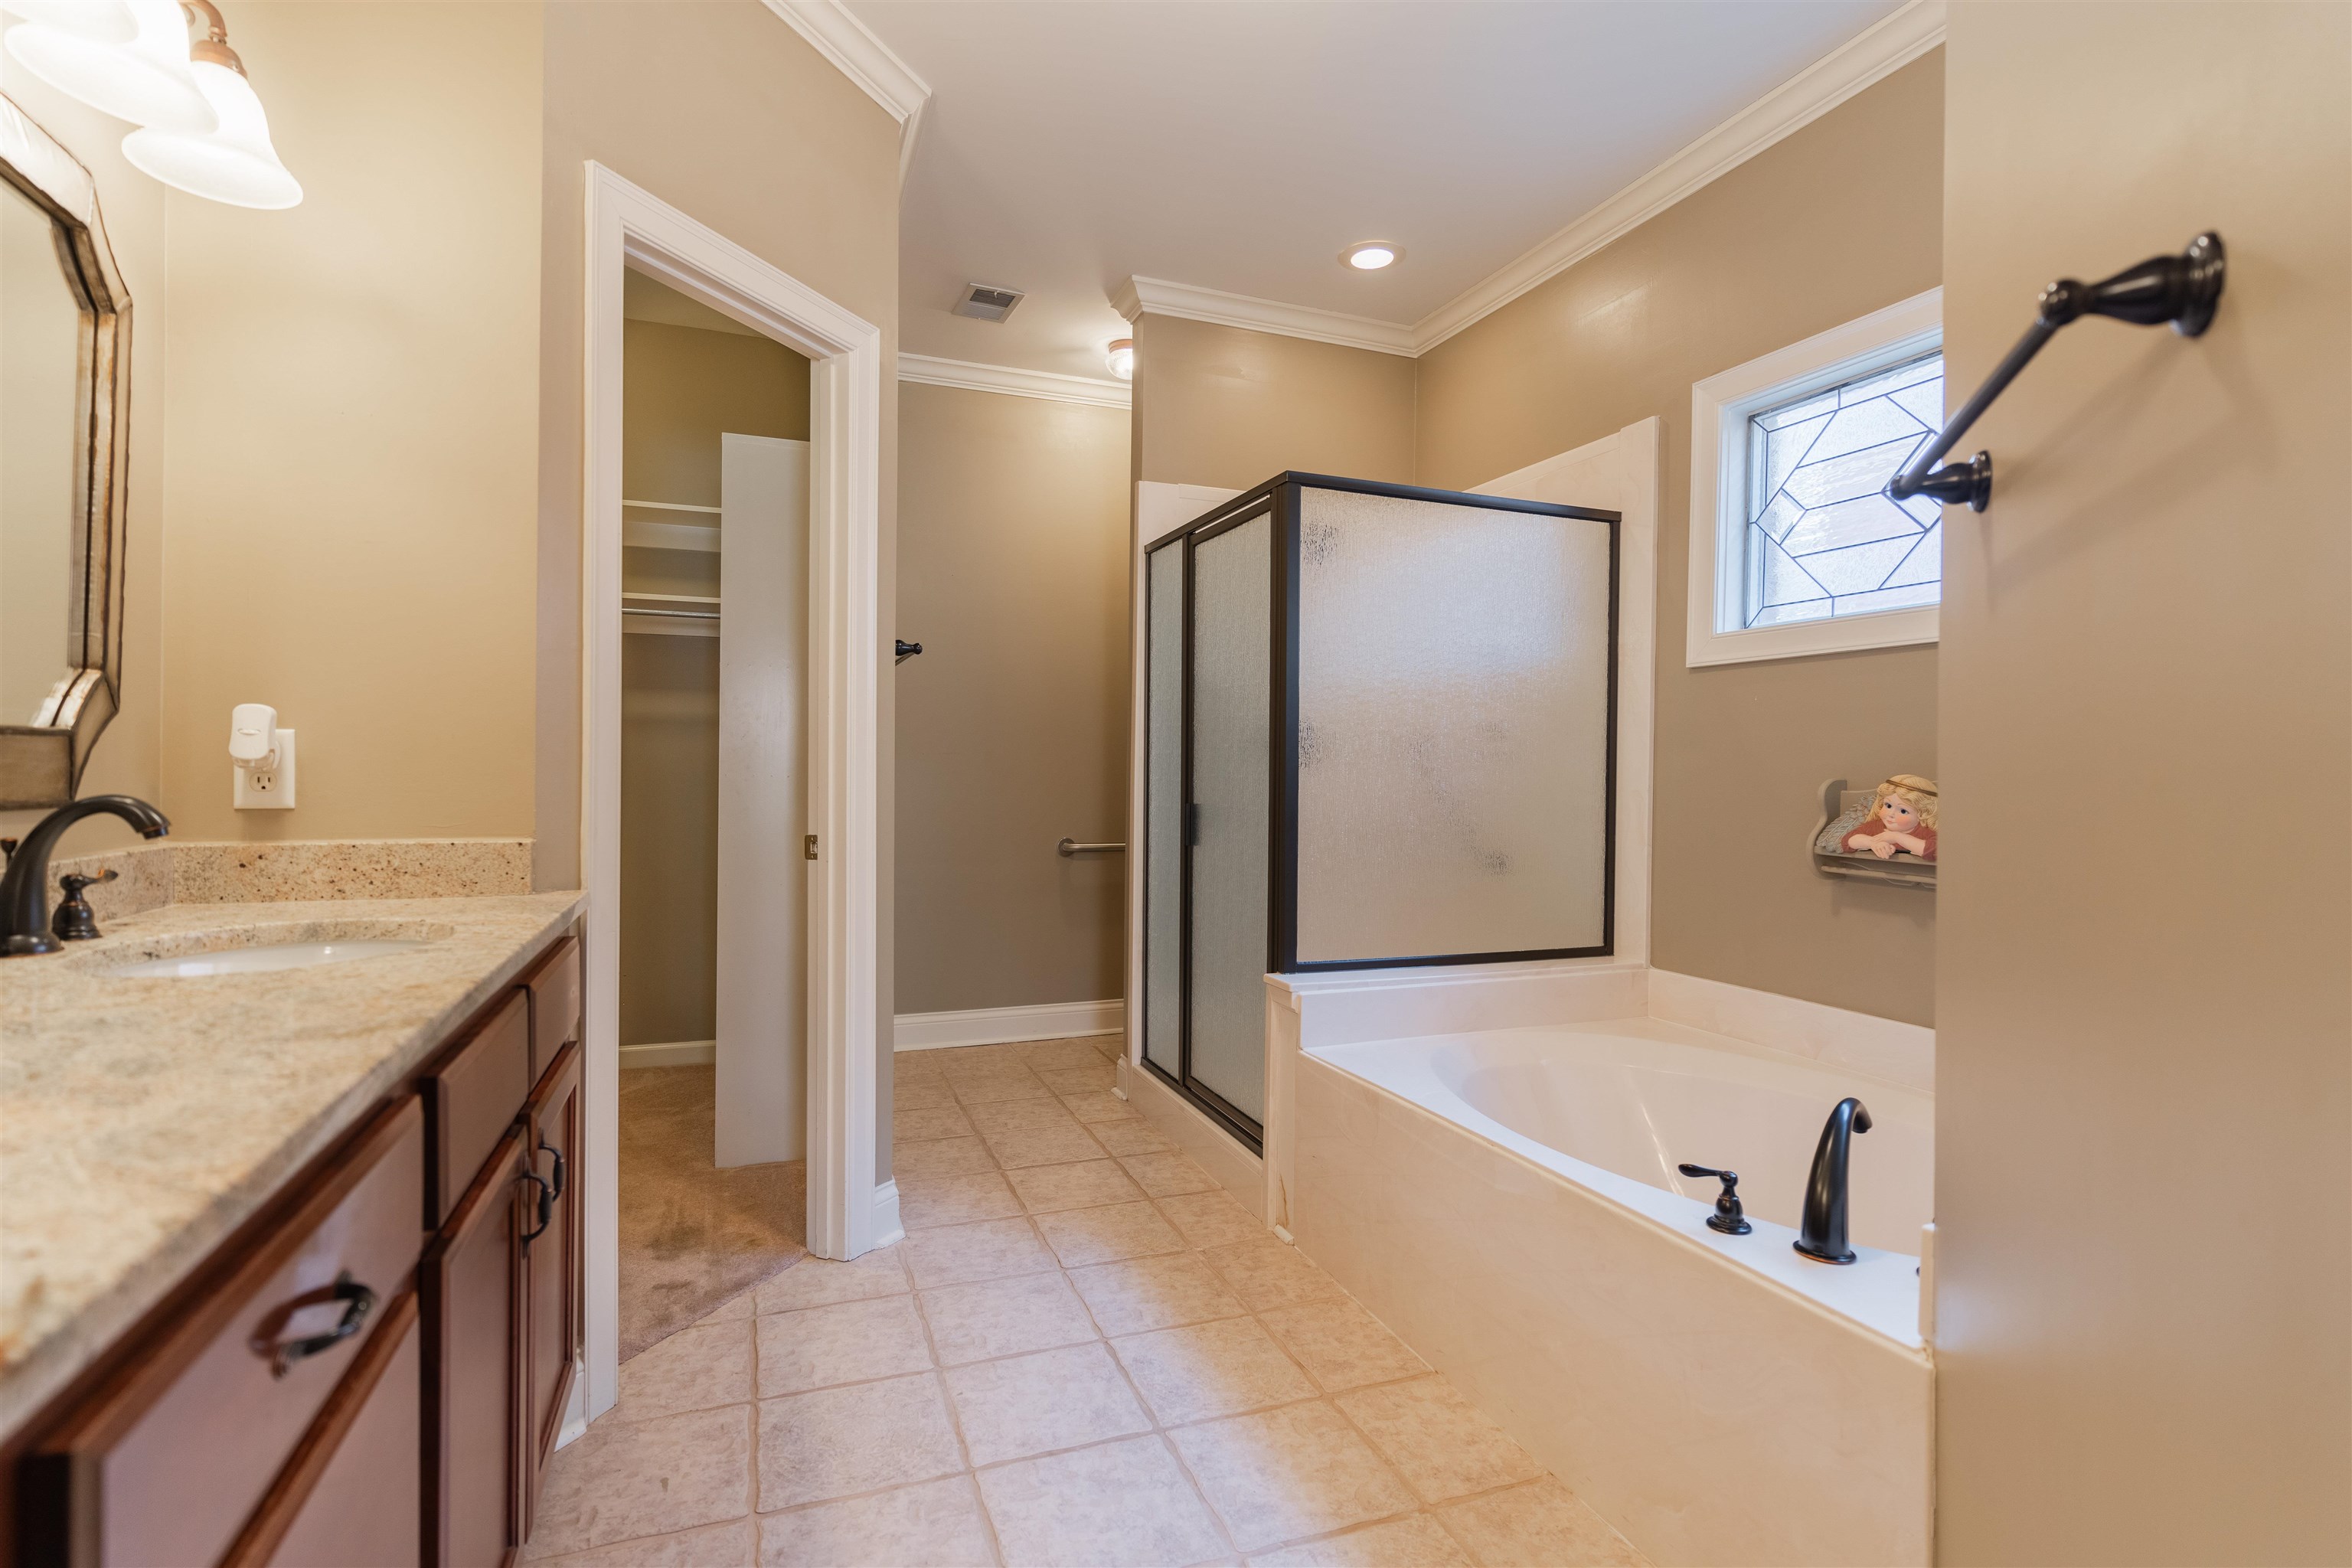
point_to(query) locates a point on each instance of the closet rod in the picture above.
(671, 614)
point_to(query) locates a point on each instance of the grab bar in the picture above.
(2183, 289)
(1069, 846)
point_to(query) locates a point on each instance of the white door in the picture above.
(762, 800)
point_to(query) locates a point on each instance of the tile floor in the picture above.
(1083, 1353)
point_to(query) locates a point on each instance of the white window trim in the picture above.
(1720, 407)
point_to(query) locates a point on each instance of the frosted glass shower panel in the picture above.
(1232, 674)
(1163, 812)
(1454, 676)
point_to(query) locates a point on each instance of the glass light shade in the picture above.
(147, 80)
(236, 163)
(1121, 357)
(101, 21)
(1370, 256)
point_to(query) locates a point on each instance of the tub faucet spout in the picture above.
(1821, 1237)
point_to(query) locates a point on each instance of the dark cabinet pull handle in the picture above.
(546, 1205)
(547, 1148)
(360, 1301)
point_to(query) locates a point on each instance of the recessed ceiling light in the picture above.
(1372, 255)
(1121, 357)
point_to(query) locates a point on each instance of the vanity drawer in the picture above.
(472, 1097)
(166, 1462)
(554, 988)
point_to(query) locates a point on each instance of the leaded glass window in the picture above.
(1821, 539)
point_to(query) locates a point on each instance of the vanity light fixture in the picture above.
(144, 78)
(1371, 255)
(233, 163)
(1121, 357)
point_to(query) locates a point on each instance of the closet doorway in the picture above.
(714, 760)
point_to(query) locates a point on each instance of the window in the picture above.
(1795, 548)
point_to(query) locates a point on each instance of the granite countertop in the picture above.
(142, 1120)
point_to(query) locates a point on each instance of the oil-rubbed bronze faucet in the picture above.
(1822, 1236)
(25, 890)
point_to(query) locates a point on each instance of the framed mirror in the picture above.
(65, 455)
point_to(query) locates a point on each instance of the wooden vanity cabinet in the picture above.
(473, 1290)
(554, 1267)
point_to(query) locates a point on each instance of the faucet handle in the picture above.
(73, 921)
(1727, 1218)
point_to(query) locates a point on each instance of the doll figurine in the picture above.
(1902, 817)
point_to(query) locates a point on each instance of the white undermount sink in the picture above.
(276, 955)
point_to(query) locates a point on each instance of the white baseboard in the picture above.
(671, 1054)
(1863, 1042)
(996, 1026)
(888, 1228)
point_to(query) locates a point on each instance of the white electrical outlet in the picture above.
(269, 787)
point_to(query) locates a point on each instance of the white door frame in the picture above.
(628, 226)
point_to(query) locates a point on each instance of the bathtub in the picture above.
(1505, 1200)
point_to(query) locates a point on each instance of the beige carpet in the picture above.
(693, 1236)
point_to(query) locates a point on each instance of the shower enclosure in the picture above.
(1380, 730)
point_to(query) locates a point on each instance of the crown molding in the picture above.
(1013, 382)
(858, 55)
(1158, 296)
(1877, 52)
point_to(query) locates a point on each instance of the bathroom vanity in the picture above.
(290, 1262)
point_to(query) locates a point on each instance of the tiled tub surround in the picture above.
(142, 1120)
(175, 871)
(1084, 1353)
(1712, 1409)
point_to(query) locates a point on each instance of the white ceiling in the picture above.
(1239, 144)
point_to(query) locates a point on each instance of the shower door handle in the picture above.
(1191, 824)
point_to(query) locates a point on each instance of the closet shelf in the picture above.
(670, 506)
(702, 537)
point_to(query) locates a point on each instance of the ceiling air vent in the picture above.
(983, 303)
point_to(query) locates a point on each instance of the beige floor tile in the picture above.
(1100, 1105)
(1212, 1369)
(735, 1309)
(836, 1442)
(941, 1157)
(1080, 1236)
(1266, 1274)
(1087, 1078)
(729, 1546)
(1543, 1523)
(1212, 1218)
(972, 1058)
(1341, 1345)
(646, 1477)
(1281, 1475)
(697, 1368)
(1417, 1541)
(1120, 1503)
(997, 1116)
(937, 1524)
(1004, 1316)
(986, 1085)
(1169, 1175)
(927, 1202)
(916, 1123)
(993, 1250)
(924, 1093)
(1063, 1056)
(1049, 1145)
(1444, 1445)
(1085, 1184)
(850, 1342)
(1164, 1292)
(1031, 1404)
(820, 1281)
(1137, 1137)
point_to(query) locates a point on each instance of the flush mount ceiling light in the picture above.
(233, 163)
(1371, 255)
(144, 78)
(1121, 357)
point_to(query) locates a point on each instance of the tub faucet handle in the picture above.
(1726, 1218)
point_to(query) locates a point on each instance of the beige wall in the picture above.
(349, 478)
(681, 388)
(2144, 1087)
(127, 758)
(1836, 221)
(1013, 528)
(720, 110)
(1221, 406)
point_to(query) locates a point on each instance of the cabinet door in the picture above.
(553, 1262)
(474, 1333)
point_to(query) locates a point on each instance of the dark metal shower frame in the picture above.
(1279, 498)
